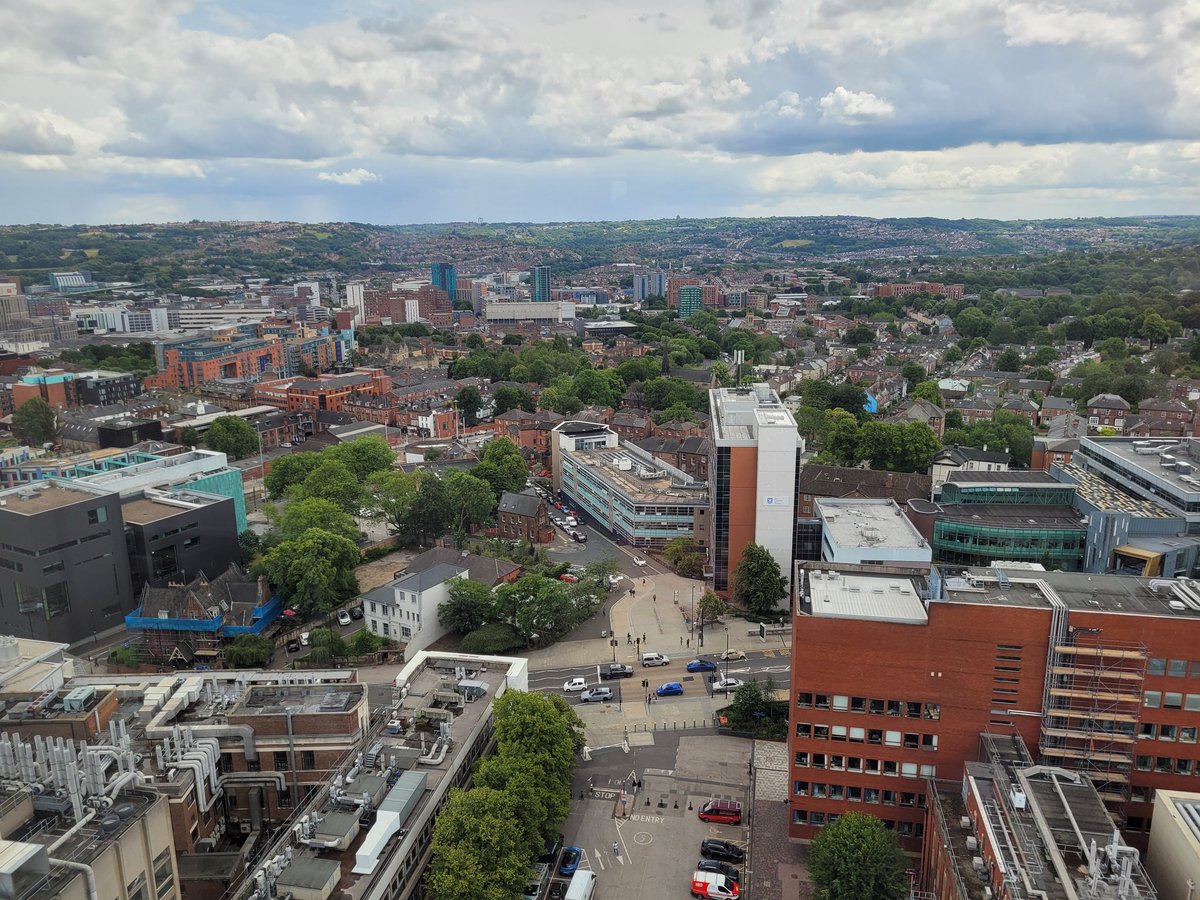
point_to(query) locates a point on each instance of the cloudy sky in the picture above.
(504, 110)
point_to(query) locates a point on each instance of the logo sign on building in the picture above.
(776, 501)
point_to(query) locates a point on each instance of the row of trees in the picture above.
(485, 837)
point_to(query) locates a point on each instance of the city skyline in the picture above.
(512, 111)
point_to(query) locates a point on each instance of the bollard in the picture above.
(677, 804)
(689, 805)
(647, 801)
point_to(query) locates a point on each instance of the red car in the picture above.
(727, 812)
(568, 578)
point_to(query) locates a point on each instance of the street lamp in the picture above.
(692, 615)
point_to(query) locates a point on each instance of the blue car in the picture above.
(670, 689)
(701, 665)
(570, 861)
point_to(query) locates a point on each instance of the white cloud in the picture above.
(350, 176)
(853, 107)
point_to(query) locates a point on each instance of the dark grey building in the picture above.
(64, 570)
(107, 388)
(173, 535)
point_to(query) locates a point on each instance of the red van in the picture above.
(726, 812)
(714, 886)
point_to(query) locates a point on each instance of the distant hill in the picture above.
(168, 255)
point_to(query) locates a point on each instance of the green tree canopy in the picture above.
(758, 584)
(363, 456)
(468, 500)
(289, 470)
(34, 422)
(333, 481)
(928, 390)
(502, 466)
(233, 436)
(469, 401)
(313, 572)
(1009, 361)
(508, 397)
(316, 512)
(248, 651)
(469, 606)
(857, 857)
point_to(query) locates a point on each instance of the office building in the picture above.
(192, 362)
(673, 285)
(1174, 863)
(173, 536)
(691, 301)
(1069, 844)
(64, 569)
(752, 473)
(1162, 471)
(870, 533)
(519, 312)
(1095, 673)
(444, 276)
(539, 284)
(626, 491)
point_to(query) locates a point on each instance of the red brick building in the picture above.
(523, 515)
(949, 291)
(1107, 411)
(1097, 674)
(325, 392)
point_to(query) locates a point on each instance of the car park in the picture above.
(733, 654)
(725, 812)
(655, 659)
(702, 665)
(343, 618)
(596, 695)
(356, 612)
(726, 685)
(570, 861)
(726, 851)
(575, 684)
(638, 561)
(713, 865)
(537, 878)
(670, 689)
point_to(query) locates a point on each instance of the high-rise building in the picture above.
(658, 284)
(539, 284)
(674, 283)
(752, 478)
(691, 301)
(641, 287)
(443, 276)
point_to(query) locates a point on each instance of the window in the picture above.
(1183, 766)
(819, 789)
(1191, 702)
(892, 739)
(1142, 763)
(308, 759)
(837, 792)
(858, 735)
(1147, 731)
(1153, 699)
(1172, 700)
(800, 760)
(800, 788)
(839, 733)
(854, 794)
(281, 760)
(1187, 734)
(816, 819)
(928, 771)
(821, 701)
(137, 887)
(874, 736)
(820, 732)
(97, 516)
(818, 760)
(912, 710)
(875, 707)
(854, 763)
(1177, 668)
(191, 542)
(1167, 732)
(1157, 667)
(803, 729)
(841, 702)
(858, 704)
(163, 562)
(929, 742)
(799, 816)
(164, 875)
(284, 799)
(893, 708)
(837, 762)
(933, 711)
(911, 741)
(890, 768)
(872, 766)
(1163, 764)
(909, 770)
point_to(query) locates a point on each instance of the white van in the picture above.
(582, 886)
(654, 659)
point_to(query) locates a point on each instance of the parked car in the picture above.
(713, 865)
(614, 580)
(638, 561)
(570, 861)
(726, 686)
(304, 639)
(713, 886)
(343, 618)
(670, 689)
(726, 812)
(356, 612)
(568, 578)
(293, 646)
(714, 848)
(616, 670)
(702, 665)
(596, 695)
(572, 521)
(579, 537)
(655, 659)
(733, 654)
(575, 684)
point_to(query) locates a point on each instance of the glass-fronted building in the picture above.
(977, 534)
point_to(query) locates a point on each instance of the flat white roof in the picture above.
(835, 595)
(868, 523)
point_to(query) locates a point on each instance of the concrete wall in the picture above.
(1174, 857)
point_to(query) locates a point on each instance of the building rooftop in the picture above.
(839, 595)
(154, 506)
(43, 496)
(1171, 461)
(640, 476)
(300, 699)
(739, 414)
(1011, 515)
(1104, 496)
(1119, 594)
(1007, 479)
(867, 522)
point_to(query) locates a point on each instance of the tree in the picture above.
(333, 481)
(750, 702)
(316, 512)
(502, 466)
(477, 853)
(233, 436)
(250, 545)
(928, 390)
(189, 437)
(364, 643)
(363, 456)
(289, 470)
(469, 402)
(507, 398)
(492, 638)
(711, 606)
(913, 373)
(470, 604)
(685, 556)
(313, 572)
(758, 584)
(34, 422)
(469, 500)
(249, 651)
(538, 607)
(857, 857)
(1009, 361)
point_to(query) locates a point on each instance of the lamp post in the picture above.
(692, 615)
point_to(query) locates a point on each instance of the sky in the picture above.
(118, 111)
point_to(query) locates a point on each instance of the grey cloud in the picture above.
(27, 132)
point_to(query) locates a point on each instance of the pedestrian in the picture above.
(616, 849)
(681, 640)
(654, 598)
(628, 638)
(689, 642)
(643, 637)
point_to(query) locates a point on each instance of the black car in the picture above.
(356, 612)
(712, 848)
(551, 850)
(712, 865)
(293, 646)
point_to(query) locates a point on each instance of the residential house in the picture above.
(632, 425)
(1171, 411)
(1023, 407)
(918, 409)
(1053, 407)
(973, 409)
(664, 448)
(406, 609)
(694, 452)
(953, 459)
(816, 481)
(681, 428)
(1050, 451)
(535, 434)
(523, 516)
(489, 570)
(1107, 411)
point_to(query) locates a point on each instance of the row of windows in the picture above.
(1175, 668)
(837, 762)
(1172, 700)
(1165, 765)
(910, 740)
(1150, 731)
(854, 794)
(909, 709)
(820, 819)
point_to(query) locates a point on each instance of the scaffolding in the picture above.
(1093, 700)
